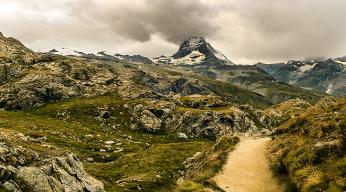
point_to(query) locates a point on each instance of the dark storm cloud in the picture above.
(173, 20)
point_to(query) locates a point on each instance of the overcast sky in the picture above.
(246, 31)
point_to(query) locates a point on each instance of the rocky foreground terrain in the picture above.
(77, 123)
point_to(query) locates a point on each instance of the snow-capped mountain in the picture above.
(66, 52)
(327, 75)
(195, 51)
(341, 60)
(103, 55)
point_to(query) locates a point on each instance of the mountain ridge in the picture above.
(102, 55)
(325, 75)
(195, 51)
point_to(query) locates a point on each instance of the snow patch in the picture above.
(194, 57)
(330, 89)
(341, 62)
(306, 68)
(66, 52)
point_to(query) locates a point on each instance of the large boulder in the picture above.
(58, 174)
(22, 169)
(145, 119)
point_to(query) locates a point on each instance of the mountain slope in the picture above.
(198, 56)
(13, 51)
(318, 74)
(53, 77)
(309, 150)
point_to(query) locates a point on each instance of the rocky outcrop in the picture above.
(52, 81)
(199, 123)
(146, 120)
(23, 169)
(13, 51)
(212, 125)
(58, 174)
(280, 113)
(326, 102)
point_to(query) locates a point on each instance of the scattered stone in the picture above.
(118, 150)
(109, 142)
(322, 145)
(39, 139)
(190, 161)
(182, 136)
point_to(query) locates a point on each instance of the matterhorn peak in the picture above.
(195, 51)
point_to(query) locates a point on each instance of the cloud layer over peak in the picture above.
(245, 30)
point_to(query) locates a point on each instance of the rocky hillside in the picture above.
(130, 125)
(13, 51)
(317, 74)
(308, 152)
(102, 122)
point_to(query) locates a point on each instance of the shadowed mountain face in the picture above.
(195, 51)
(327, 76)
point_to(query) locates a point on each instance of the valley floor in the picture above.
(247, 169)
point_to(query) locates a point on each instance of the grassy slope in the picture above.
(226, 90)
(254, 79)
(150, 162)
(310, 154)
(274, 90)
(234, 93)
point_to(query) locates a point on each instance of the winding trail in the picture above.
(247, 169)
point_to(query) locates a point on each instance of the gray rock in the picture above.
(11, 186)
(182, 136)
(146, 119)
(109, 142)
(58, 174)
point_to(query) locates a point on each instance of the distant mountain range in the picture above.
(102, 56)
(273, 80)
(326, 75)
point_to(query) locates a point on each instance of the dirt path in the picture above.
(247, 169)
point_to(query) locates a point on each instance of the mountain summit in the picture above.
(195, 51)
